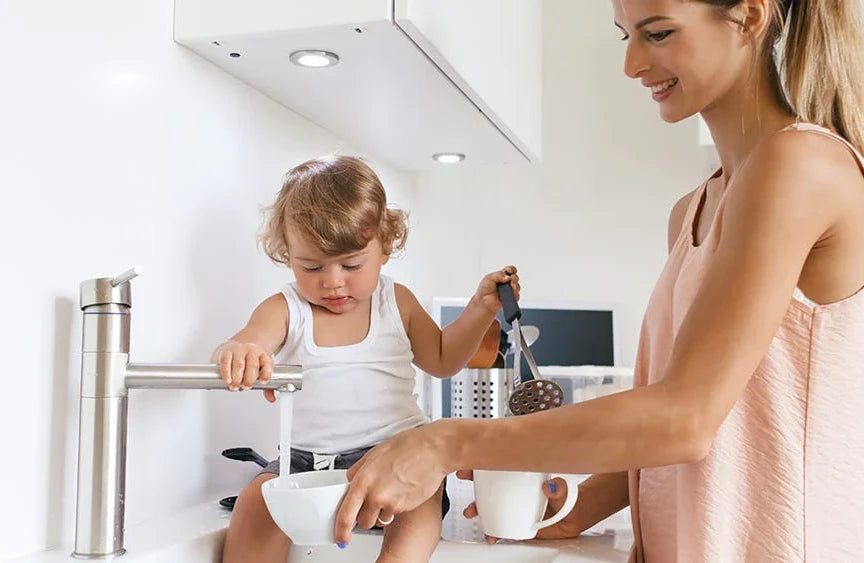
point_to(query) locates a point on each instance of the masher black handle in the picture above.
(512, 312)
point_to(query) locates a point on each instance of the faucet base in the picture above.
(118, 553)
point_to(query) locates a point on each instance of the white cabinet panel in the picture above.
(406, 86)
(492, 50)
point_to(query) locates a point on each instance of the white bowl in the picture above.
(304, 505)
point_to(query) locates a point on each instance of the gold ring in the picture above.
(383, 523)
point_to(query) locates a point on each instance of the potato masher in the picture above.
(532, 393)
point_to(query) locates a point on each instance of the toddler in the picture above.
(356, 334)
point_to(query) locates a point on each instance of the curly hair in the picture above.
(339, 204)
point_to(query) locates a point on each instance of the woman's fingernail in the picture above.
(342, 545)
(553, 488)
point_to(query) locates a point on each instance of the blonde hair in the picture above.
(818, 72)
(339, 204)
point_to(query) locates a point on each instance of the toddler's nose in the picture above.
(333, 281)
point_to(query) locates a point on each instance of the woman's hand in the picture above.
(487, 291)
(395, 477)
(556, 492)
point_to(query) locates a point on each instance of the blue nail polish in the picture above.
(553, 488)
(342, 545)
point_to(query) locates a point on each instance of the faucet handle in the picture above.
(126, 276)
(109, 291)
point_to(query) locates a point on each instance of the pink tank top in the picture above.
(784, 480)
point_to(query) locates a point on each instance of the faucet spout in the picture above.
(203, 376)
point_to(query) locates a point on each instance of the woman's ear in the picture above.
(754, 17)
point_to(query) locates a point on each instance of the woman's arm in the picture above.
(600, 496)
(783, 203)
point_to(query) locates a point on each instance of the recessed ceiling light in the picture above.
(449, 157)
(314, 58)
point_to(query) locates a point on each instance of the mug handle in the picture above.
(569, 502)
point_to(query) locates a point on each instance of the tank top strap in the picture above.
(390, 308)
(693, 206)
(296, 311)
(813, 128)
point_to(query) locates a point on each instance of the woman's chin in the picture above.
(672, 114)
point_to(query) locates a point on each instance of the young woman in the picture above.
(743, 439)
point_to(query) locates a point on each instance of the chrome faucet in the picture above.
(106, 377)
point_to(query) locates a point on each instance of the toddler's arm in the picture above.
(248, 355)
(443, 353)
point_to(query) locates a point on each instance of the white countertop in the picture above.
(195, 536)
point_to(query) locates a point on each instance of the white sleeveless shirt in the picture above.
(353, 396)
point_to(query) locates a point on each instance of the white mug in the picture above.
(304, 505)
(511, 504)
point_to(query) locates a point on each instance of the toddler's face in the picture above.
(337, 283)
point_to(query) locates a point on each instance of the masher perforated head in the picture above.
(535, 396)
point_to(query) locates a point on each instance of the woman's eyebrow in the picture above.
(645, 22)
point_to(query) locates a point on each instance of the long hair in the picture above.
(814, 53)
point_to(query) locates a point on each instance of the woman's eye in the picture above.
(625, 38)
(312, 268)
(351, 267)
(658, 36)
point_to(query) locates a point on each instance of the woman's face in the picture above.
(686, 53)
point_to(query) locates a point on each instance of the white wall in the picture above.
(589, 224)
(118, 147)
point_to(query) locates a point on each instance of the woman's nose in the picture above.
(636, 60)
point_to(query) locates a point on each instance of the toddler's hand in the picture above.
(241, 364)
(487, 292)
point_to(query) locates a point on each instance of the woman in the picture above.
(742, 439)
